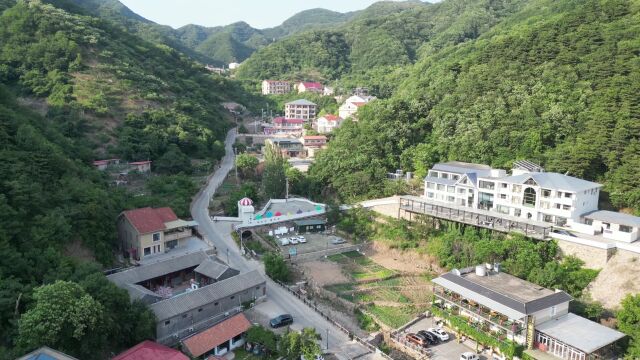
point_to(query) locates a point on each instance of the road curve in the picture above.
(218, 235)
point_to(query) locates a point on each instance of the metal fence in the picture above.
(351, 335)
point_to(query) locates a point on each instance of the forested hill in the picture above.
(376, 46)
(127, 96)
(557, 82)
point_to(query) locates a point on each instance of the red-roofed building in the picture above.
(141, 166)
(313, 143)
(219, 339)
(352, 104)
(314, 87)
(147, 231)
(149, 350)
(282, 125)
(328, 123)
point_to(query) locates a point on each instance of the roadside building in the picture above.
(515, 311)
(310, 226)
(328, 123)
(313, 143)
(149, 350)
(275, 87)
(147, 231)
(233, 65)
(101, 164)
(300, 109)
(141, 166)
(314, 87)
(284, 126)
(46, 353)
(218, 339)
(289, 147)
(190, 293)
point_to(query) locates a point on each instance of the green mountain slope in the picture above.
(132, 98)
(557, 82)
(380, 40)
(311, 19)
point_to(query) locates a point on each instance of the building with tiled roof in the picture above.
(352, 104)
(307, 86)
(147, 231)
(46, 353)
(300, 109)
(327, 123)
(149, 350)
(218, 339)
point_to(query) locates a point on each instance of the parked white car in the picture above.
(293, 240)
(285, 241)
(302, 240)
(338, 240)
(469, 356)
(441, 334)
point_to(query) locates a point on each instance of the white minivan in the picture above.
(469, 356)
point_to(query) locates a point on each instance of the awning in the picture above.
(209, 339)
(580, 333)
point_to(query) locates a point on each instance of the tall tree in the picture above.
(246, 165)
(64, 317)
(629, 323)
(274, 177)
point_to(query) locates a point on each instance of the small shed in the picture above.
(310, 226)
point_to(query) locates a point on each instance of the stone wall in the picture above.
(594, 258)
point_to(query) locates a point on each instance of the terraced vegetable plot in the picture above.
(393, 298)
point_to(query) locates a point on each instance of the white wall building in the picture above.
(529, 193)
(328, 123)
(352, 104)
(275, 87)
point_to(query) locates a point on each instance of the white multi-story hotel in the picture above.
(529, 193)
(275, 87)
(300, 109)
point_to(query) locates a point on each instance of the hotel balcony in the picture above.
(490, 322)
(171, 235)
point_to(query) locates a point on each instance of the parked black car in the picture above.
(431, 338)
(282, 320)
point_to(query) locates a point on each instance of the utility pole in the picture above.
(327, 338)
(286, 181)
(235, 162)
(227, 256)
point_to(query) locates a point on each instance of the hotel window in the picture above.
(516, 188)
(567, 195)
(167, 322)
(430, 195)
(546, 193)
(444, 175)
(156, 237)
(461, 191)
(503, 209)
(566, 207)
(451, 199)
(544, 204)
(504, 185)
(433, 174)
(440, 187)
(431, 185)
(588, 221)
(487, 185)
(529, 197)
(558, 206)
(516, 200)
(625, 229)
(547, 218)
(455, 177)
(451, 189)
(553, 311)
(503, 196)
(147, 251)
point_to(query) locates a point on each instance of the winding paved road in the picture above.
(278, 299)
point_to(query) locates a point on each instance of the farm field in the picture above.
(392, 297)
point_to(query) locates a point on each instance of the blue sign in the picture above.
(293, 251)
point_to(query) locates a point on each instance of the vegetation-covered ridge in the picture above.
(55, 211)
(557, 83)
(127, 96)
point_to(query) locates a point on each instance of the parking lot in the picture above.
(314, 243)
(449, 350)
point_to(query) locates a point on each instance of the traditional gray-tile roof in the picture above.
(211, 269)
(139, 292)
(177, 305)
(553, 181)
(153, 270)
(580, 333)
(464, 168)
(524, 298)
(301, 102)
(614, 217)
(46, 353)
